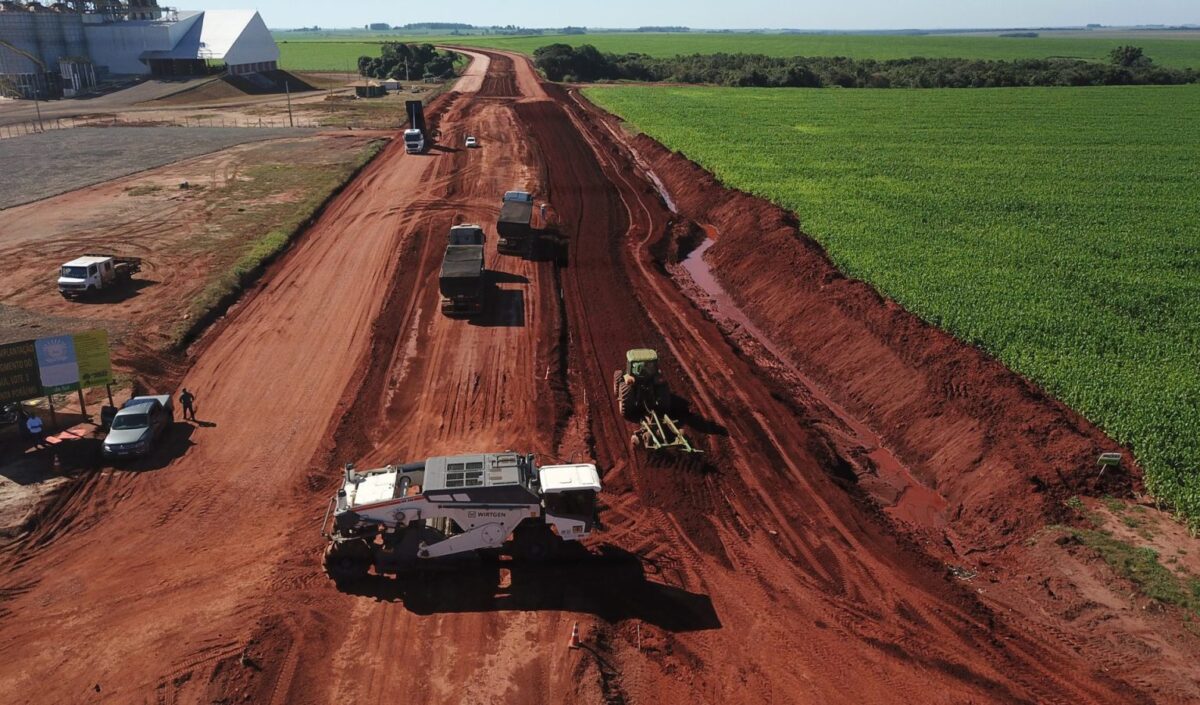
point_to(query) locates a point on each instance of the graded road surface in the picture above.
(757, 572)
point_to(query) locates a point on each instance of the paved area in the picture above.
(42, 165)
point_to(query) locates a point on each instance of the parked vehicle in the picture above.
(517, 197)
(471, 141)
(10, 414)
(91, 274)
(138, 426)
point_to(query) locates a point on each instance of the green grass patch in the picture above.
(1054, 227)
(285, 219)
(325, 56)
(1140, 566)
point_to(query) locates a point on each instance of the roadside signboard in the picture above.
(53, 365)
(91, 352)
(57, 364)
(19, 378)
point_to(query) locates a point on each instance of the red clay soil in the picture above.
(758, 572)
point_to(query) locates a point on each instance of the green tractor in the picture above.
(641, 387)
(644, 398)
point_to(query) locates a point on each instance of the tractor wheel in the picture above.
(617, 377)
(534, 545)
(625, 399)
(347, 561)
(662, 399)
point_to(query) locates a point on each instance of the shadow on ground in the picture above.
(609, 583)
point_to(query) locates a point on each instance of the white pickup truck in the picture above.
(91, 274)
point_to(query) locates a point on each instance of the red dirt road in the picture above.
(758, 572)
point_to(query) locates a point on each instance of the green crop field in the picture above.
(1176, 52)
(1169, 52)
(324, 55)
(1056, 228)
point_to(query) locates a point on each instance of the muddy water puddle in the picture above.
(904, 496)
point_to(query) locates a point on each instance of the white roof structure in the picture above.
(237, 37)
(232, 36)
(86, 261)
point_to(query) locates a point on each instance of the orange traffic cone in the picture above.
(574, 643)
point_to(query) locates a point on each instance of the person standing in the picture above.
(22, 423)
(33, 425)
(187, 400)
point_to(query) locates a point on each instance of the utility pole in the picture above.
(38, 107)
(407, 79)
(287, 89)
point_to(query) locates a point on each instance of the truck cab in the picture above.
(414, 141)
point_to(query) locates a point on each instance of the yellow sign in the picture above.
(91, 352)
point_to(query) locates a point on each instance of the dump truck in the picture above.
(514, 226)
(92, 274)
(412, 516)
(461, 280)
(416, 138)
(644, 397)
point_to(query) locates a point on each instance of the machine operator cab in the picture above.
(569, 498)
(641, 363)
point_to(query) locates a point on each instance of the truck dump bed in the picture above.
(462, 271)
(513, 226)
(515, 217)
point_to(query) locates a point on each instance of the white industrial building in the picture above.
(51, 49)
(185, 43)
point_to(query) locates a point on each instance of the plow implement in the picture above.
(661, 432)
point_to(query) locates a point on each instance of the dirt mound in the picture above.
(267, 82)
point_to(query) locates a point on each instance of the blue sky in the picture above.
(840, 14)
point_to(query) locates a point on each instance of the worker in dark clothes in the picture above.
(22, 423)
(187, 401)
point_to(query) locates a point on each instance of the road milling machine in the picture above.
(403, 518)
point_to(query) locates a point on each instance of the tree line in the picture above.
(585, 64)
(397, 59)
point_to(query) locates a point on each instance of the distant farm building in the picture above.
(60, 49)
